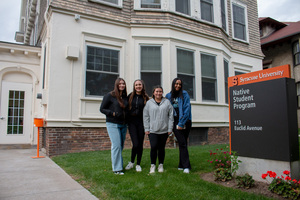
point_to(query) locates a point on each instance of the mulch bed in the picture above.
(259, 187)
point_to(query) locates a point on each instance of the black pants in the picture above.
(158, 143)
(137, 134)
(182, 136)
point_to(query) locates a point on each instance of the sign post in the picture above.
(263, 121)
(38, 122)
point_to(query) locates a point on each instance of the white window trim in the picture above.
(236, 2)
(119, 5)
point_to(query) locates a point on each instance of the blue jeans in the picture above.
(117, 135)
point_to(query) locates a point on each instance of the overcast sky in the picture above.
(280, 10)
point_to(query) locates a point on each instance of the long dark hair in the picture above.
(144, 94)
(117, 93)
(154, 88)
(175, 93)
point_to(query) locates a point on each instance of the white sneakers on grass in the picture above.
(129, 166)
(138, 168)
(186, 171)
(160, 168)
(152, 169)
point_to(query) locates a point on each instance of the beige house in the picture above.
(86, 44)
(280, 45)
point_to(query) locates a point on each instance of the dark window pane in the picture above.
(150, 4)
(111, 1)
(223, 15)
(188, 84)
(99, 83)
(207, 11)
(9, 129)
(150, 58)
(208, 89)
(239, 21)
(183, 6)
(20, 131)
(151, 80)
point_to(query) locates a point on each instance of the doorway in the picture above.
(16, 126)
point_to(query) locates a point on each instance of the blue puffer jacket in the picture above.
(184, 108)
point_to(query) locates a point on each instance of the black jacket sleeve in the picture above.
(104, 108)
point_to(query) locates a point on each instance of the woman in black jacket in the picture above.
(137, 101)
(114, 106)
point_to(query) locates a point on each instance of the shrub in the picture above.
(283, 186)
(245, 181)
(225, 164)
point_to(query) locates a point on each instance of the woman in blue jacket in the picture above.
(180, 101)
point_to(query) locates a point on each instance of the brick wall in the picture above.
(218, 135)
(70, 140)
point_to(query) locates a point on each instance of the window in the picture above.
(151, 67)
(239, 22)
(150, 4)
(109, 2)
(15, 112)
(226, 75)
(185, 70)
(223, 14)
(102, 69)
(296, 53)
(183, 6)
(209, 77)
(207, 12)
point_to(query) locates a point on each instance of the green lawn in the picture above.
(93, 171)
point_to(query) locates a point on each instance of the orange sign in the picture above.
(262, 75)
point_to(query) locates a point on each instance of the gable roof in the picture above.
(284, 30)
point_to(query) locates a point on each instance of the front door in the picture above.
(16, 126)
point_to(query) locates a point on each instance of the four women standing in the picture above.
(154, 118)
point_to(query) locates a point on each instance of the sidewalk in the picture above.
(25, 178)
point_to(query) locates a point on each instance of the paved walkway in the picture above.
(25, 178)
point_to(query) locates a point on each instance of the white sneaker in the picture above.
(119, 173)
(138, 168)
(129, 166)
(160, 168)
(180, 168)
(152, 169)
(186, 170)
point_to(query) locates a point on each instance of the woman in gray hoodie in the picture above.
(158, 124)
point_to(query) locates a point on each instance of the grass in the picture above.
(93, 171)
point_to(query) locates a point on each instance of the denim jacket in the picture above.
(184, 105)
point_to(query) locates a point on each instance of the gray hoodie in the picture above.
(158, 119)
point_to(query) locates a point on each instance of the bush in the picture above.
(245, 181)
(225, 164)
(283, 186)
